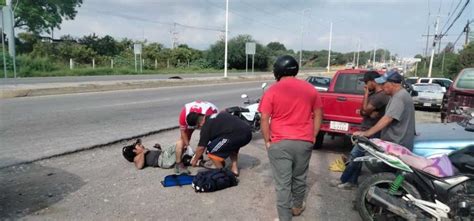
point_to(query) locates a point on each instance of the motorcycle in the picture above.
(250, 112)
(414, 192)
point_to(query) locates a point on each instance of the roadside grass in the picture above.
(109, 71)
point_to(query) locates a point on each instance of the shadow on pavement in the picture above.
(28, 188)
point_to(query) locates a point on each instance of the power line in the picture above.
(131, 17)
(451, 14)
(455, 19)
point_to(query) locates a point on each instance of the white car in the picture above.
(444, 82)
(429, 95)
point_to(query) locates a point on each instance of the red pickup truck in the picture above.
(341, 104)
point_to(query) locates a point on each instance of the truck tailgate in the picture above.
(342, 107)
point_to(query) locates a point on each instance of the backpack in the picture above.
(213, 180)
(167, 157)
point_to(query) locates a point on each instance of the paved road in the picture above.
(37, 127)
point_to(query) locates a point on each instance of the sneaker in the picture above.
(180, 168)
(298, 211)
(334, 183)
(346, 186)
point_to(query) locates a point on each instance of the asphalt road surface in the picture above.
(37, 127)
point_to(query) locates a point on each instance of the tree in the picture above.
(40, 16)
(466, 56)
(276, 46)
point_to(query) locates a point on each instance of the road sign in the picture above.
(250, 48)
(137, 49)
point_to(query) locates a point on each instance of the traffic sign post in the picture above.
(250, 49)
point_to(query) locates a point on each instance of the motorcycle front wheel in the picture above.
(369, 211)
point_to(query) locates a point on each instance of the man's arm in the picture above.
(265, 127)
(381, 124)
(184, 137)
(199, 152)
(318, 116)
(139, 160)
(367, 108)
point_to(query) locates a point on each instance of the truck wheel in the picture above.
(319, 140)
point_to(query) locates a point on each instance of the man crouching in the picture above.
(222, 135)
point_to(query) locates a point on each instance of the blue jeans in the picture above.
(353, 169)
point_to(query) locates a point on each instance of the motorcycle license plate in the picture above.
(426, 104)
(334, 125)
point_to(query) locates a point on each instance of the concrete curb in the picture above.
(91, 147)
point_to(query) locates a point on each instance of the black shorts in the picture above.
(221, 147)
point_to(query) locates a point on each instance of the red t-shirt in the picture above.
(291, 103)
(201, 107)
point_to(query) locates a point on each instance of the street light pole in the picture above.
(302, 35)
(226, 32)
(329, 53)
(358, 51)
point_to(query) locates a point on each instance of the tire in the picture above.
(381, 180)
(319, 140)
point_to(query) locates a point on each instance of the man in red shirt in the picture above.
(291, 117)
(199, 107)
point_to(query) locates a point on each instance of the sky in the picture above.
(396, 25)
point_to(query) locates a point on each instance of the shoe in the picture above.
(334, 183)
(346, 186)
(180, 168)
(298, 211)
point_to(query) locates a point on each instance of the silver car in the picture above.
(429, 95)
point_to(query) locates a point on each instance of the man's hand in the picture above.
(267, 145)
(360, 133)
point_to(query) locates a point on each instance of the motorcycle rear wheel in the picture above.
(368, 211)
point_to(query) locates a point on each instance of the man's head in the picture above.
(284, 66)
(369, 79)
(129, 152)
(195, 119)
(391, 82)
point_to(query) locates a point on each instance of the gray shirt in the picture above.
(402, 129)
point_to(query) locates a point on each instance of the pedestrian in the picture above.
(222, 135)
(291, 117)
(373, 108)
(398, 123)
(143, 157)
(186, 131)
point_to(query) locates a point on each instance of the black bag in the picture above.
(213, 180)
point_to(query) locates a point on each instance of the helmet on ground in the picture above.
(285, 65)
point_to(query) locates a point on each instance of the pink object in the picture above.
(437, 166)
(290, 103)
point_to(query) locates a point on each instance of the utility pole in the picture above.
(466, 29)
(226, 32)
(174, 36)
(329, 53)
(434, 46)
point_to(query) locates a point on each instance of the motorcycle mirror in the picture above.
(264, 85)
(243, 96)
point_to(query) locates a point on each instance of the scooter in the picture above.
(250, 112)
(414, 193)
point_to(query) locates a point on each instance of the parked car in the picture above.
(429, 95)
(444, 82)
(320, 83)
(411, 80)
(460, 96)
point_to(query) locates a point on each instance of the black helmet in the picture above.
(285, 65)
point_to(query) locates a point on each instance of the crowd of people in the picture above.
(291, 115)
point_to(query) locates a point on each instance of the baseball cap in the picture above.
(370, 76)
(391, 76)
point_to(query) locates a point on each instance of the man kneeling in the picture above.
(222, 135)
